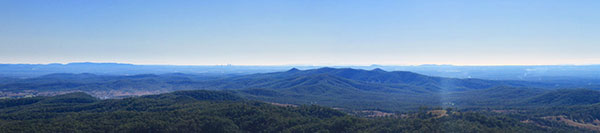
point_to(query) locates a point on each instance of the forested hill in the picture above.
(217, 111)
(360, 89)
(380, 76)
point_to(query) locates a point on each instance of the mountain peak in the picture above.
(293, 70)
(378, 70)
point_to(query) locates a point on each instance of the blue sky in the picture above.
(308, 32)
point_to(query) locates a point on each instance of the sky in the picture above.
(301, 32)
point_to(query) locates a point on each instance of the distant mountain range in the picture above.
(35, 70)
(565, 74)
(334, 87)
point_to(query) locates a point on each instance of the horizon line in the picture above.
(323, 65)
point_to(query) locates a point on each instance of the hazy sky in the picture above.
(310, 32)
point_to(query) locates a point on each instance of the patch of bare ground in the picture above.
(534, 123)
(564, 119)
(506, 111)
(123, 93)
(375, 113)
(283, 104)
(438, 113)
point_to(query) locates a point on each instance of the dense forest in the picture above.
(217, 111)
